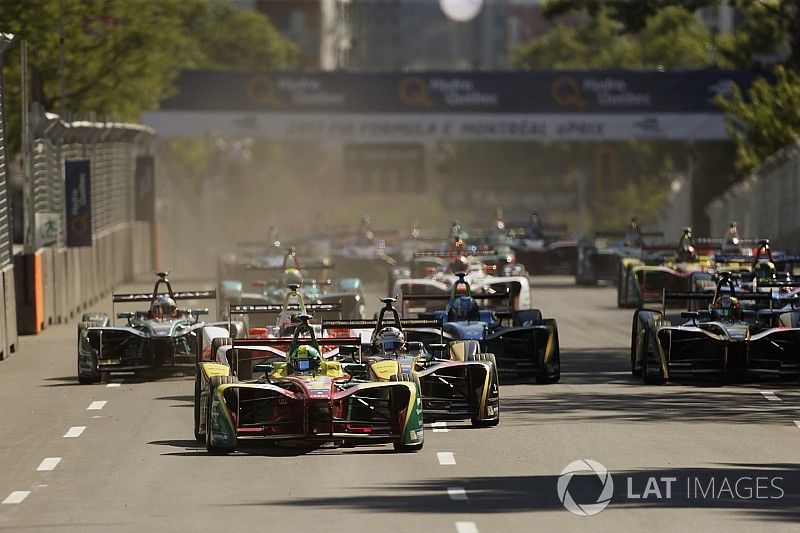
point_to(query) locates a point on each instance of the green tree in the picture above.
(594, 43)
(766, 119)
(765, 24)
(121, 57)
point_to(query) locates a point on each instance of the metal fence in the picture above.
(111, 148)
(765, 204)
(5, 218)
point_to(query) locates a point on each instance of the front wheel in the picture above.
(399, 447)
(215, 382)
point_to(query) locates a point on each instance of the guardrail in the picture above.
(765, 204)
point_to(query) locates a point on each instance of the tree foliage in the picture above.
(766, 26)
(764, 120)
(121, 57)
(670, 38)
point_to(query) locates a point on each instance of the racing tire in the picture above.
(634, 347)
(216, 343)
(406, 448)
(95, 377)
(476, 422)
(527, 317)
(413, 378)
(646, 377)
(215, 382)
(199, 437)
(541, 377)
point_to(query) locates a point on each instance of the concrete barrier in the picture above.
(52, 285)
(9, 311)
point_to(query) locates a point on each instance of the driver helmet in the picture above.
(306, 358)
(733, 234)
(686, 251)
(292, 276)
(459, 264)
(633, 235)
(499, 223)
(726, 308)
(464, 308)
(390, 339)
(274, 237)
(164, 307)
(765, 271)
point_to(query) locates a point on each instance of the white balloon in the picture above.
(461, 10)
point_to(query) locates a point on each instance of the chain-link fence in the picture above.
(111, 149)
(765, 204)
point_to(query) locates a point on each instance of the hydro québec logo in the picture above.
(585, 466)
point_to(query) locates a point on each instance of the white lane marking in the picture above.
(457, 493)
(771, 396)
(113, 385)
(48, 463)
(440, 427)
(466, 527)
(797, 423)
(74, 431)
(18, 496)
(446, 458)
(96, 406)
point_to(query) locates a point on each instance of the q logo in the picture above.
(81, 224)
(261, 91)
(566, 92)
(413, 91)
(590, 466)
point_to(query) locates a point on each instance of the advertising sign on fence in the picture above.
(78, 199)
(145, 188)
(47, 229)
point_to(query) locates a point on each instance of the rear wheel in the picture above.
(216, 343)
(94, 377)
(199, 437)
(651, 374)
(543, 377)
(406, 448)
(527, 317)
(215, 382)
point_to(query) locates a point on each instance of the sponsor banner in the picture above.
(145, 183)
(579, 92)
(407, 127)
(78, 200)
(48, 226)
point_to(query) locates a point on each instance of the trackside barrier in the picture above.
(764, 203)
(9, 311)
(55, 284)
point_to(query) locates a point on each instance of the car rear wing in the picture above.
(405, 323)
(450, 255)
(276, 308)
(447, 296)
(305, 266)
(177, 295)
(709, 295)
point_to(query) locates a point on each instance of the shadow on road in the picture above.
(762, 491)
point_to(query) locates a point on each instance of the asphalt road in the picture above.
(135, 464)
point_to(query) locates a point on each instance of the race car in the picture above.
(457, 381)
(544, 249)
(599, 260)
(163, 336)
(312, 280)
(738, 335)
(521, 340)
(253, 391)
(442, 273)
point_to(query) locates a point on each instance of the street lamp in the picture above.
(461, 10)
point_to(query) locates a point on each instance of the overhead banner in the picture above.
(145, 184)
(571, 105)
(78, 200)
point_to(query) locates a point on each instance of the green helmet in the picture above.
(292, 276)
(306, 358)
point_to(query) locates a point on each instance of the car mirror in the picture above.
(439, 351)
(126, 315)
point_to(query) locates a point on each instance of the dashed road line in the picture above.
(466, 527)
(113, 385)
(96, 406)
(440, 427)
(18, 496)
(446, 458)
(48, 464)
(771, 396)
(457, 493)
(74, 431)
